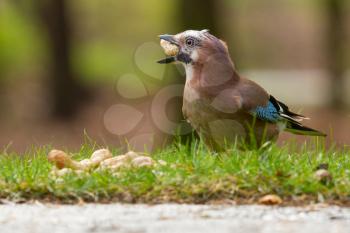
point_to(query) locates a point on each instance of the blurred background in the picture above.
(72, 70)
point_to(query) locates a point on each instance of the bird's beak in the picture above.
(171, 40)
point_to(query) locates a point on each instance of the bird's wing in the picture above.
(228, 101)
(243, 96)
(252, 94)
(275, 111)
(267, 113)
(249, 97)
(265, 107)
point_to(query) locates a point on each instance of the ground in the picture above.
(92, 218)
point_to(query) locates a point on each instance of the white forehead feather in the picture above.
(195, 33)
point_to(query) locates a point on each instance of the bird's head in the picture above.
(191, 47)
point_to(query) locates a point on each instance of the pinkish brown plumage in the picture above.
(221, 106)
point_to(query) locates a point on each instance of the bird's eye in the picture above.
(190, 42)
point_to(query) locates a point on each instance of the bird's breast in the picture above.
(190, 93)
(195, 108)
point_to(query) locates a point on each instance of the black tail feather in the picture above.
(297, 128)
(284, 109)
(293, 120)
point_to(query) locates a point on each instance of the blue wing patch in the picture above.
(267, 113)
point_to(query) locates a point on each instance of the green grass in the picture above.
(192, 175)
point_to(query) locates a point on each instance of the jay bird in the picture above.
(222, 106)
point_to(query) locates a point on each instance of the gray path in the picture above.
(38, 218)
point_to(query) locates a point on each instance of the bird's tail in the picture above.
(297, 128)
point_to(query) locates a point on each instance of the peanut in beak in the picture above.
(169, 48)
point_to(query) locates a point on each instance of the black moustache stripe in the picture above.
(167, 60)
(184, 58)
